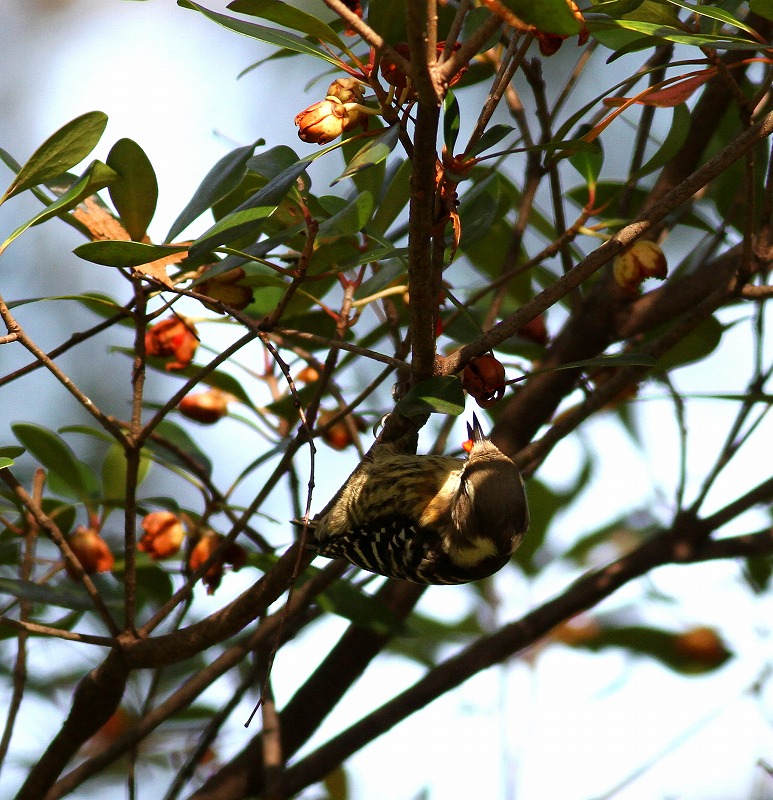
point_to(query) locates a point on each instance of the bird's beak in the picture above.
(474, 431)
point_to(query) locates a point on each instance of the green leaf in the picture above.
(125, 254)
(97, 176)
(588, 162)
(182, 442)
(273, 36)
(60, 152)
(222, 179)
(664, 646)
(717, 14)
(490, 137)
(353, 604)
(394, 199)
(479, 209)
(677, 135)
(451, 121)
(231, 227)
(388, 18)
(48, 595)
(615, 360)
(10, 452)
(374, 152)
(273, 162)
(349, 220)
(114, 473)
(762, 7)
(550, 16)
(696, 346)
(545, 505)
(659, 31)
(757, 573)
(439, 395)
(290, 17)
(135, 193)
(56, 456)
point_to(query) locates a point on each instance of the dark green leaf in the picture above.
(48, 595)
(290, 17)
(114, 473)
(357, 606)
(272, 36)
(451, 121)
(718, 14)
(696, 346)
(248, 217)
(491, 137)
(545, 504)
(349, 220)
(231, 227)
(550, 16)
(394, 200)
(11, 451)
(387, 18)
(97, 176)
(479, 209)
(660, 31)
(616, 360)
(125, 254)
(273, 162)
(475, 19)
(664, 646)
(423, 638)
(135, 193)
(100, 304)
(60, 152)
(55, 455)
(440, 395)
(762, 7)
(677, 135)
(757, 572)
(374, 152)
(182, 442)
(588, 162)
(222, 179)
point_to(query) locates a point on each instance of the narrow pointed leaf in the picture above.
(290, 17)
(222, 179)
(374, 152)
(273, 36)
(451, 121)
(60, 152)
(51, 595)
(96, 177)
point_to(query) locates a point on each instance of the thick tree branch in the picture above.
(677, 545)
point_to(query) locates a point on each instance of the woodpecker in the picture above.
(429, 519)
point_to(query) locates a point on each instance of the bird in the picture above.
(428, 519)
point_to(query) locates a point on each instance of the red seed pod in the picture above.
(164, 534)
(91, 549)
(235, 555)
(484, 379)
(174, 337)
(205, 407)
